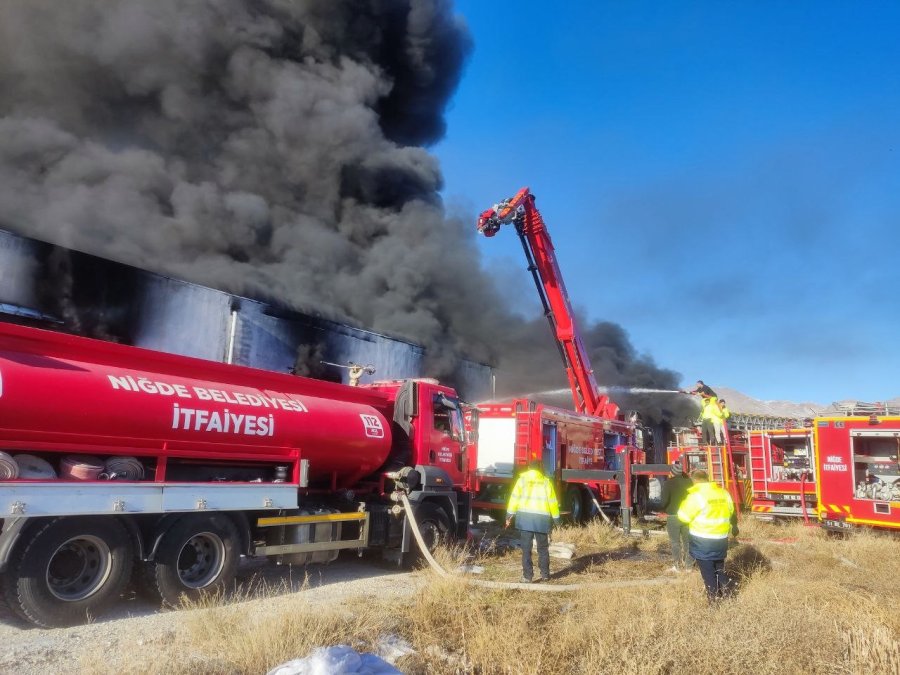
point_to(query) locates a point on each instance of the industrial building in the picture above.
(55, 287)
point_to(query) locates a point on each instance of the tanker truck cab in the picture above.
(429, 430)
(116, 459)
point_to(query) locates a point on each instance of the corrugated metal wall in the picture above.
(51, 286)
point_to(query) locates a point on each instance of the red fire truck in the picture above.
(591, 460)
(592, 453)
(844, 469)
(115, 458)
(782, 465)
(857, 471)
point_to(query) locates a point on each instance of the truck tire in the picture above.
(575, 505)
(196, 556)
(10, 613)
(434, 524)
(70, 571)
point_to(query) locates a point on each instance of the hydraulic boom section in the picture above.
(522, 213)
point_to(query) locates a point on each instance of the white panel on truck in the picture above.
(496, 446)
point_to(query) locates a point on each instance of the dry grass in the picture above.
(602, 553)
(808, 603)
(218, 635)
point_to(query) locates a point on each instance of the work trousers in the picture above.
(719, 428)
(709, 433)
(718, 584)
(543, 547)
(679, 539)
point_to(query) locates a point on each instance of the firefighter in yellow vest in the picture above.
(710, 415)
(709, 513)
(722, 421)
(534, 505)
(709, 410)
(726, 413)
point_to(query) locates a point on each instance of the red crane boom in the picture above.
(521, 212)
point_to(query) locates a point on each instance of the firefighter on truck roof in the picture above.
(710, 413)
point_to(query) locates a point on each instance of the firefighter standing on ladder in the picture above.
(711, 419)
(722, 423)
(534, 505)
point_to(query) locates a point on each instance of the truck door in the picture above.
(447, 439)
(549, 454)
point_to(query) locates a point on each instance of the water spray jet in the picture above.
(609, 389)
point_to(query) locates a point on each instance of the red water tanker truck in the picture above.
(118, 460)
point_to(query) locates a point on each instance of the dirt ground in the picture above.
(137, 624)
(807, 602)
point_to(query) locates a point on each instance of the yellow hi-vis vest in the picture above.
(726, 413)
(711, 409)
(707, 511)
(533, 493)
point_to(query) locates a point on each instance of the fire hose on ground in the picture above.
(543, 588)
(600, 511)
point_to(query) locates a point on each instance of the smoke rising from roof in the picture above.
(270, 148)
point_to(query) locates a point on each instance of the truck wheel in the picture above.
(641, 500)
(71, 570)
(575, 505)
(9, 614)
(197, 555)
(433, 524)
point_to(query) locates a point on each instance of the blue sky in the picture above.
(721, 179)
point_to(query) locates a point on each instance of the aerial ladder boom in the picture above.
(521, 212)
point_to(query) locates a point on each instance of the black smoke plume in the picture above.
(267, 147)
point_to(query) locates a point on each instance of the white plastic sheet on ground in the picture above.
(339, 660)
(393, 647)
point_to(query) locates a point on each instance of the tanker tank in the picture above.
(186, 419)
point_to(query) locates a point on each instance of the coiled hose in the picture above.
(34, 468)
(88, 467)
(80, 467)
(541, 588)
(8, 467)
(122, 468)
